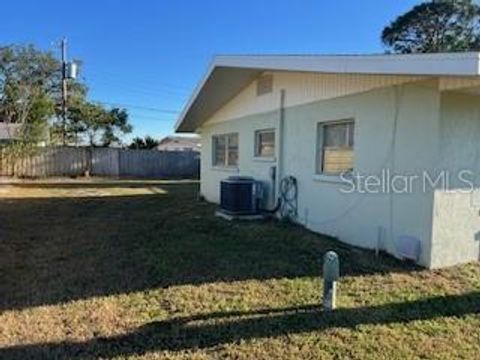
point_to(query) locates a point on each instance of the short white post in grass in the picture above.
(331, 273)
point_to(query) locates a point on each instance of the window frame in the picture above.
(226, 150)
(320, 148)
(256, 145)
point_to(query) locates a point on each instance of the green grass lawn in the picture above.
(143, 270)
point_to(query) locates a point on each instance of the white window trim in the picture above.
(232, 169)
(265, 159)
(333, 178)
(319, 174)
(256, 155)
(225, 166)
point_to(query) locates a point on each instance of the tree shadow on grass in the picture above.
(210, 330)
(55, 250)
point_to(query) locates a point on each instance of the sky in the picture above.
(148, 56)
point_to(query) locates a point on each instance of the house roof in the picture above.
(180, 142)
(228, 75)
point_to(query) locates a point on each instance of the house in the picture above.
(385, 148)
(10, 132)
(7, 130)
(179, 143)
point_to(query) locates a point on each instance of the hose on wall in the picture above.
(287, 203)
(289, 198)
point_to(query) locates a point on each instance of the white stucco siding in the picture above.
(456, 220)
(353, 218)
(357, 218)
(302, 88)
(247, 163)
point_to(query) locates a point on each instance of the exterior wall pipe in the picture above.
(280, 137)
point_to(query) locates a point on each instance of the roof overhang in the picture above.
(228, 75)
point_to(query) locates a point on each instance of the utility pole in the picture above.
(64, 90)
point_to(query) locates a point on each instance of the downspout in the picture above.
(280, 128)
(393, 145)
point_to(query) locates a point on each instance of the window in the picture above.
(225, 150)
(335, 147)
(265, 143)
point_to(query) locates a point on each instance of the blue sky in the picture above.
(151, 54)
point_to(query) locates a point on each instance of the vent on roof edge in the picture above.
(264, 84)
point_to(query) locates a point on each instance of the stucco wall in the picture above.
(358, 218)
(354, 218)
(248, 164)
(456, 220)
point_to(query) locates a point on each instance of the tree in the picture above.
(30, 96)
(100, 126)
(115, 125)
(148, 143)
(435, 26)
(71, 131)
(27, 87)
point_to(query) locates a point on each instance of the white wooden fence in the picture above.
(75, 161)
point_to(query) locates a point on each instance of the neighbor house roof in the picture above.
(228, 75)
(179, 143)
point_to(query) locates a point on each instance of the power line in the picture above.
(131, 90)
(134, 90)
(115, 77)
(150, 118)
(147, 108)
(134, 115)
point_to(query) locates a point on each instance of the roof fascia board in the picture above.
(195, 94)
(445, 64)
(460, 64)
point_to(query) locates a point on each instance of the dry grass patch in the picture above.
(118, 270)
